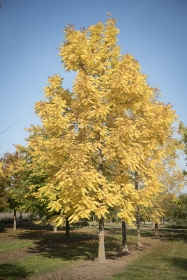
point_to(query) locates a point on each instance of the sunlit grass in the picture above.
(15, 245)
(34, 265)
(169, 261)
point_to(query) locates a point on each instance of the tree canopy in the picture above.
(94, 138)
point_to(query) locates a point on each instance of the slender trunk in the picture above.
(124, 238)
(15, 220)
(20, 218)
(67, 231)
(138, 227)
(54, 227)
(101, 250)
(156, 230)
(138, 215)
(153, 225)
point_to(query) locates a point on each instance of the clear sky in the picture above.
(153, 31)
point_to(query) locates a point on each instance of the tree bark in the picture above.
(138, 227)
(15, 220)
(156, 230)
(124, 238)
(153, 225)
(137, 215)
(101, 250)
(67, 231)
(20, 218)
(54, 227)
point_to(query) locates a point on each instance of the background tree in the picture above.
(180, 210)
(3, 194)
(183, 133)
(10, 182)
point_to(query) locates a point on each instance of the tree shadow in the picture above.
(173, 234)
(12, 272)
(80, 246)
(53, 245)
(3, 230)
(67, 252)
(84, 247)
(179, 262)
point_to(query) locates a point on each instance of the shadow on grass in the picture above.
(3, 230)
(82, 245)
(169, 233)
(173, 234)
(12, 272)
(178, 263)
(72, 251)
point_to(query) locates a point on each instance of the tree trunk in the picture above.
(124, 238)
(138, 227)
(67, 231)
(101, 250)
(156, 230)
(54, 227)
(15, 220)
(137, 215)
(153, 225)
(20, 218)
(163, 221)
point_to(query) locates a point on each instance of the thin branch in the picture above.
(7, 49)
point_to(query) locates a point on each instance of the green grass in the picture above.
(31, 252)
(30, 266)
(15, 245)
(167, 262)
(46, 251)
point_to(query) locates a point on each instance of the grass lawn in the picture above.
(169, 261)
(31, 251)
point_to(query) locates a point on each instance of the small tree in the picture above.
(180, 210)
(10, 182)
(3, 194)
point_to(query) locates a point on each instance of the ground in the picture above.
(89, 269)
(92, 270)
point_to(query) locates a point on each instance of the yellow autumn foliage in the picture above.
(94, 138)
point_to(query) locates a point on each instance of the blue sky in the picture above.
(153, 31)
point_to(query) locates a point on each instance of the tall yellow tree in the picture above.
(110, 126)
